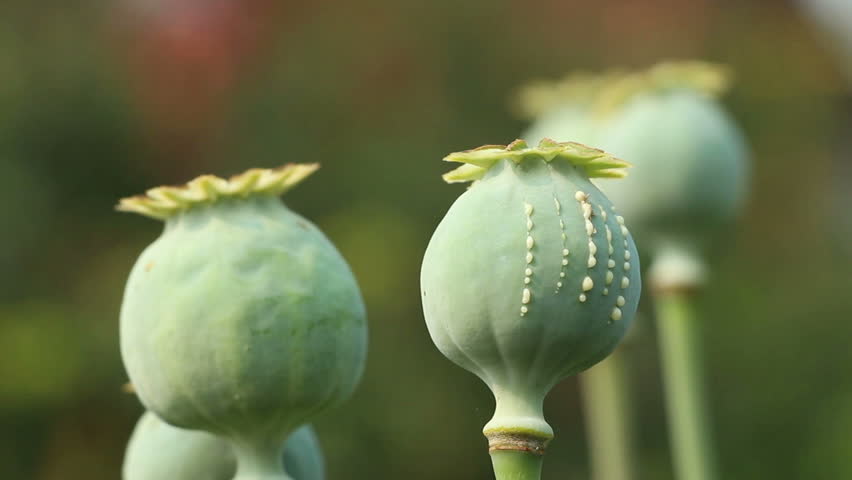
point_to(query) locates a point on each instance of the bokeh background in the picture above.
(100, 100)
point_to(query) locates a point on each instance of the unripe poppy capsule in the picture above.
(158, 451)
(531, 276)
(242, 319)
(691, 161)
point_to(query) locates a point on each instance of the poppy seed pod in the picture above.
(241, 319)
(158, 451)
(690, 158)
(530, 277)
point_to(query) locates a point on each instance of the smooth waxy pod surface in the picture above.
(158, 451)
(531, 276)
(241, 319)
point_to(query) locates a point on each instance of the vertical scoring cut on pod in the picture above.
(524, 281)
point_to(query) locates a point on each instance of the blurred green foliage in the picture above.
(100, 100)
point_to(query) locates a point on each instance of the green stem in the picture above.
(516, 465)
(607, 411)
(682, 375)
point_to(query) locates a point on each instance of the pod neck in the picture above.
(259, 462)
(518, 423)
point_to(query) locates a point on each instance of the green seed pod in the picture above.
(158, 451)
(690, 158)
(530, 277)
(241, 319)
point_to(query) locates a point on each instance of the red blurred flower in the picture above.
(185, 57)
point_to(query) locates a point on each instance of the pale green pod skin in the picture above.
(565, 108)
(502, 298)
(158, 451)
(243, 320)
(303, 458)
(690, 166)
(572, 120)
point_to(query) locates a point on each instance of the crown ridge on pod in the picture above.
(166, 201)
(476, 162)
